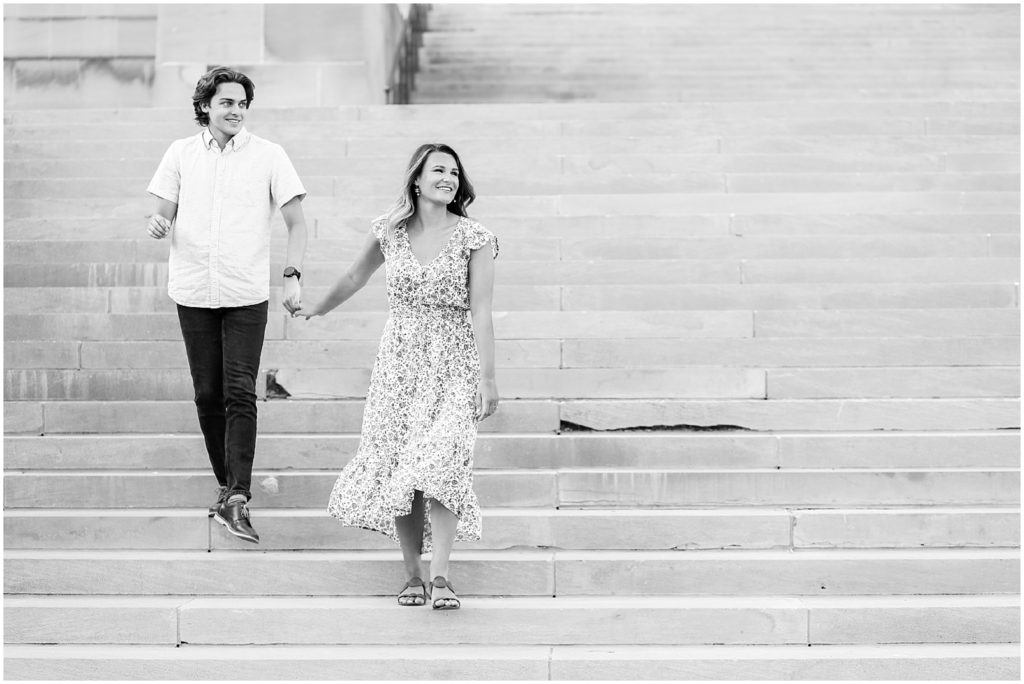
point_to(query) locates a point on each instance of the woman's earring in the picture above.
(416, 189)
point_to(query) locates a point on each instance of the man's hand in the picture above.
(308, 311)
(158, 226)
(292, 295)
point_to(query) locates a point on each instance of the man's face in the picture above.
(227, 109)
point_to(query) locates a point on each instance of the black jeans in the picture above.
(224, 347)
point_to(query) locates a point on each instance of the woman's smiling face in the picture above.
(439, 179)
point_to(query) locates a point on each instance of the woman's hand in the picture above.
(486, 399)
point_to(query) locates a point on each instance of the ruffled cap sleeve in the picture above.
(380, 229)
(477, 236)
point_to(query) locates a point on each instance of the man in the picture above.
(219, 190)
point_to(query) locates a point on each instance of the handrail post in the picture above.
(405, 57)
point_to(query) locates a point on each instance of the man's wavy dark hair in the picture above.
(207, 87)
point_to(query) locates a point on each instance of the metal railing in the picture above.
(405, 58)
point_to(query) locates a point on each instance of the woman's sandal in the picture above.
(444, 602)
(413, 598)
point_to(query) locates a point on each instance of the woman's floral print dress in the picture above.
(418, 425)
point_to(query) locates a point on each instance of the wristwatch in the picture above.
(292, 272)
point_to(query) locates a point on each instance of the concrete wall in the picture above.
(78, 55)
(136, 55)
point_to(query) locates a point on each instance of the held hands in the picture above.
(486, 399)
(292, 296)
(307, 311)
(158, 227)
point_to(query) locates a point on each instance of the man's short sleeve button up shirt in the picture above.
(220, 244)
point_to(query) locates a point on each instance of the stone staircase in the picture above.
(685, 52)
(760, 362)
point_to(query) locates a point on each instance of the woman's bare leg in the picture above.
(410, 536)
(443, 524)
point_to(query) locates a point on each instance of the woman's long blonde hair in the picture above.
(405, 205)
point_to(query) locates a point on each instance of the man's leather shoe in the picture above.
(222, 496)
(234, 516)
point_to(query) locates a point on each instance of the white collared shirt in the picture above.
(220, 242)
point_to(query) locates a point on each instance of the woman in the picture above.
(433, 379)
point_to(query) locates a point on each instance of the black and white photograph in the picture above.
(504, 341)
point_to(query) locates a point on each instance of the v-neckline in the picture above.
(444, 247)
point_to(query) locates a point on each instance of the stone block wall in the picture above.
(104, 55)
(78, 55)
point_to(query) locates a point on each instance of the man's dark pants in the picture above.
(223, 348)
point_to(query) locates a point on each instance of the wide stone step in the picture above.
(519, 573)
(95, 266)
(758, 47)
(304, 529)
(484, 92)
(644, 621)
(83, 141)
(590, 488)
(153, 313)
(772, 296)
(687, 55)
(91, 417)
(696, 182)
(625, 167)
(704, 40)
(22, 232)
(924, 661)
(888, 145)
(839, 20)
(535, 47)
(367, 321)
(794, 414)
(271, 489)
(802, 25)
(796, 662)
(694, 382)
(146, 313)
(688, 529)
(358, 351)
(54, 267)
(570, 347)
(399, 146)
(536, 63)
(467, 127)
(941, 136)
(571, 83)
(314, 416)
(153, 301)
(334, 189)
(804, 108)
(317, 416)
(646, 488)
(884, 323)
(891, 382)
(679, 450)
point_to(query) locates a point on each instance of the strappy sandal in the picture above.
(411, 597)
(440, 603)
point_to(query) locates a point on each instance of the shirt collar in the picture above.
(237, 142)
